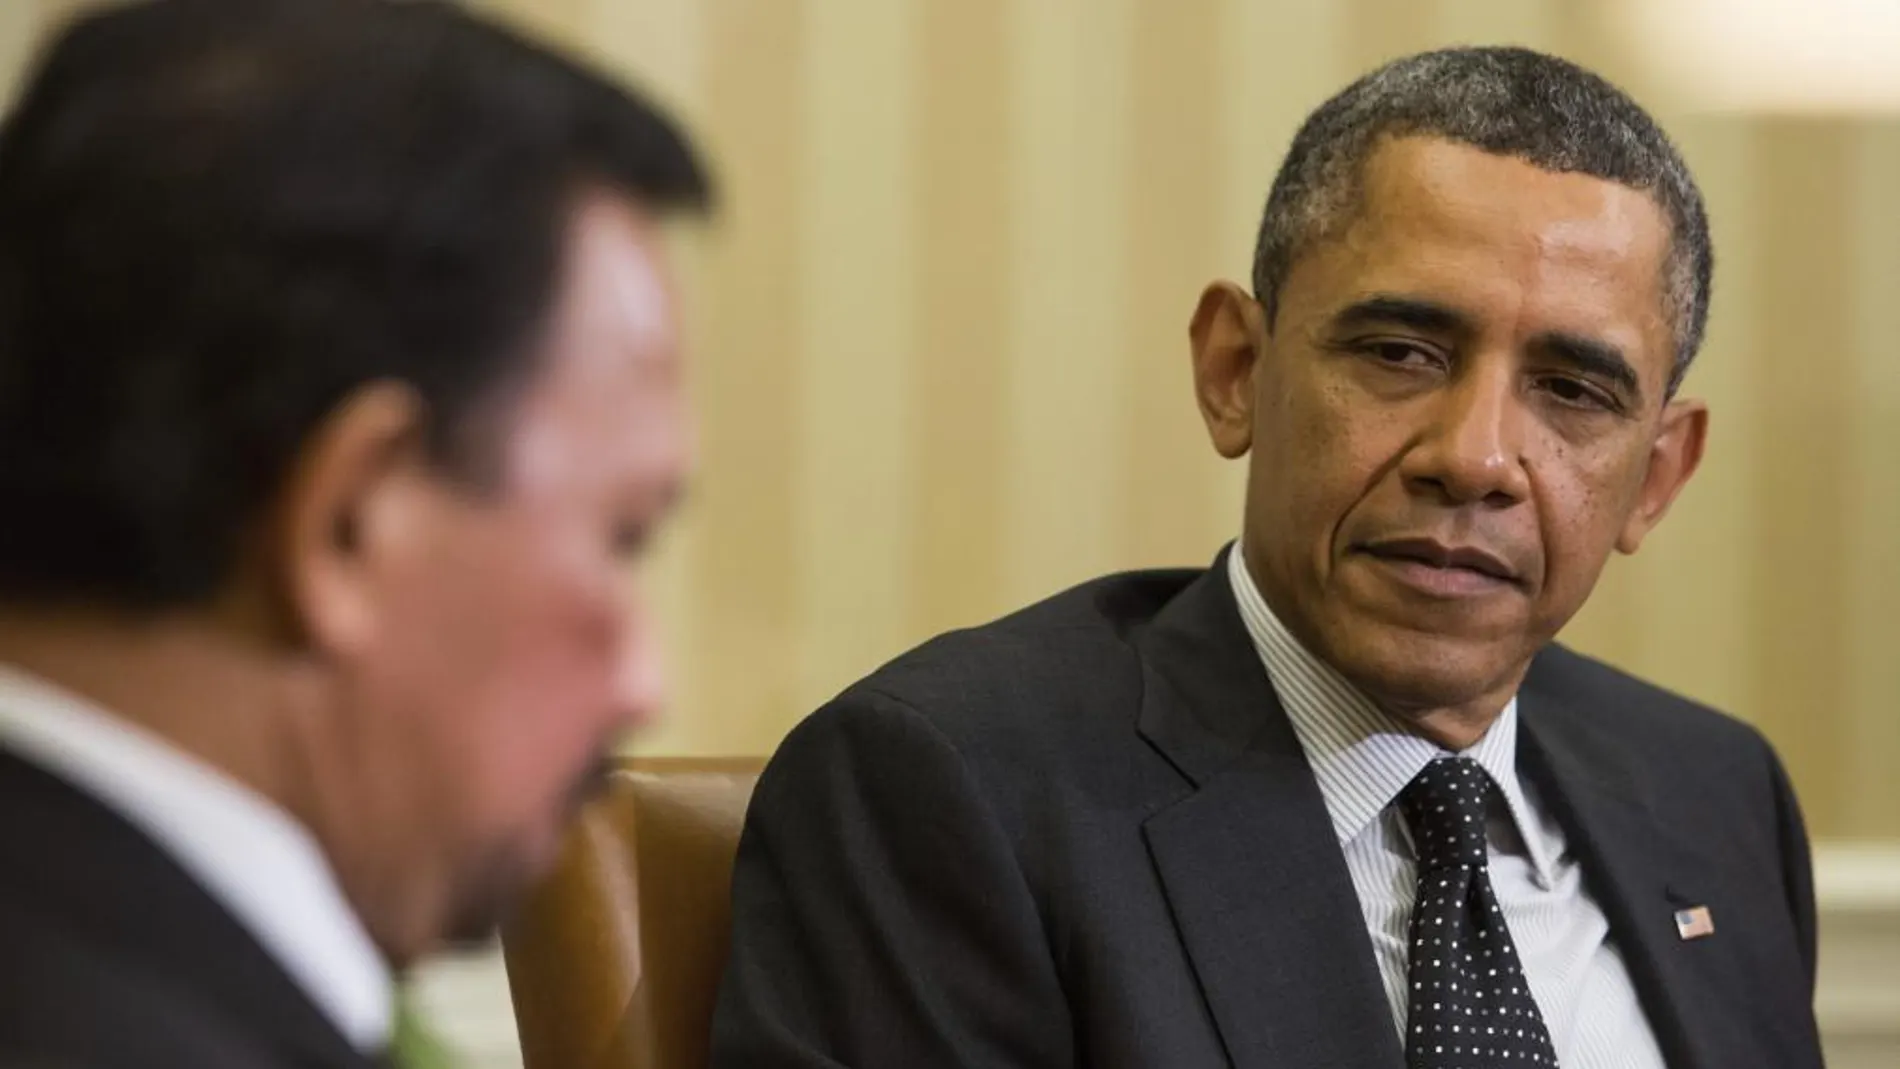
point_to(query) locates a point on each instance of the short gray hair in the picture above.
(1514, 102)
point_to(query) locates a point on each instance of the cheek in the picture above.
(1324, 451)
(545, 704)
(1582, 507)
(512, 676)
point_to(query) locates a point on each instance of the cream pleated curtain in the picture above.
(939, 342)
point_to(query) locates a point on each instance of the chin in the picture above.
(486, 897)
(473, 937)
(1406, 670)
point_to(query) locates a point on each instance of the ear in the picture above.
(1225, 334)
(1673, 458)
(349, 489)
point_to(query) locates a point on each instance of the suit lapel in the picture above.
(1249, 863)
(1638, 871)
(68, 857)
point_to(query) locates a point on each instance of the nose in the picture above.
(1472, 449)
(640, 686)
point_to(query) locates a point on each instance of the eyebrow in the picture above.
(1402, 311)
(1591, 357)
(676, 494)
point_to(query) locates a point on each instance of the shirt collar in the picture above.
(1361, 756)
(262, 866)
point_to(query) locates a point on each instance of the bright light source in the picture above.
(1824, 56)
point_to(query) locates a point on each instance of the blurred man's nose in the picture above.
(640, 679)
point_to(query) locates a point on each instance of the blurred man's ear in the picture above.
(354, 497)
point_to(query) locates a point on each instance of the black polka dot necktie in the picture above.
(1469, 1003)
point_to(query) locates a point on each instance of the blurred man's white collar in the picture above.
(252, 857)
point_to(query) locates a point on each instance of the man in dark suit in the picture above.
(1338, 802)
(339, 389)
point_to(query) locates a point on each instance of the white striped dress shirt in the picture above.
(1362, 759)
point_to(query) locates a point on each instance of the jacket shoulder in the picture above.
(1673, 733)
(1072, 652)
(1049, 694)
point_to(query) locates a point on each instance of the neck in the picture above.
(238, 705)
(1456, 728)
(177, 679)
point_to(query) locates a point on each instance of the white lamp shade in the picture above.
(1799, 56)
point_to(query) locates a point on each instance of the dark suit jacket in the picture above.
(111, 957)
(1086, 835)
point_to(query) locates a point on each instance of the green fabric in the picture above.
(414, 1044)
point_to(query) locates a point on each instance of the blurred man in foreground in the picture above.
(339, 393)
(1337, 802)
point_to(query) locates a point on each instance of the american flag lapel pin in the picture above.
(1694, 922)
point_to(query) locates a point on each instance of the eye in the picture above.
(1578, 392)
(1399, 353)
(630, 539)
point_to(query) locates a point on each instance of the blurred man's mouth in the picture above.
(592, 783)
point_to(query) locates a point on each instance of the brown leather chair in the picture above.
(615, 957)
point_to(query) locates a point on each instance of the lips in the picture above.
(1431, 553)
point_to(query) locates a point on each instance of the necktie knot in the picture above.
(1444, 805)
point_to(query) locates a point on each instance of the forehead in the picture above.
(1500, 238)
(607, 396)
(615, 312)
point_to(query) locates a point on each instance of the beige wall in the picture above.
(940, 327)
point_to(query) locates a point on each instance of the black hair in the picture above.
(1544, 110)
(220, 218)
